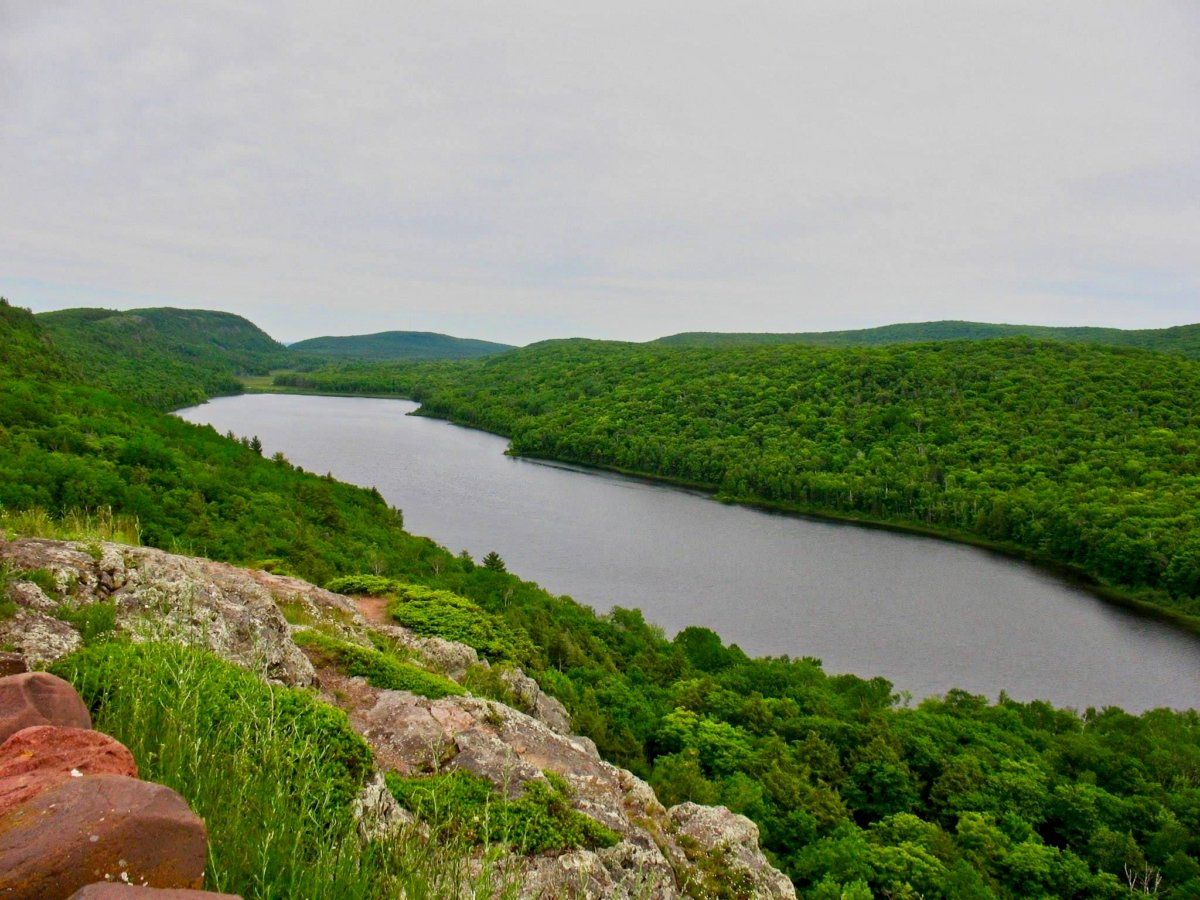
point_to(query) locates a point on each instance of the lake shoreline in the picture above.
(1077, 577)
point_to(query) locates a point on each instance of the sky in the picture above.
(520, 171)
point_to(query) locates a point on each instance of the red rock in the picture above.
(12, 664)
(39, 698)
(100, 828)
(35, 759)
(111, 891)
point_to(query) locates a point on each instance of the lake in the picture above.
(928, 615)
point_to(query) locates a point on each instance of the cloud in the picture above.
(527, 170)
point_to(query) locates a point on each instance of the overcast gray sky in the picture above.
(519, 171)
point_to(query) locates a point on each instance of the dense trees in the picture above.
(1079, 454)
(855, 793)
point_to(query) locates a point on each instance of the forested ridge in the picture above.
(856, 793)
(398, 345)
(1184, 339)
(1083, 455)
(165, 358)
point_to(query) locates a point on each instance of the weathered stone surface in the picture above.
(12, 664)
(162, 596)
(416, 735)
(542, 707)
(108, 890)
(624, 872)
(40, 639)
(35, 759)
(376, 813)
(39, 698)
(731, 841)
(30, 596)
(100, 828)
(449, 658)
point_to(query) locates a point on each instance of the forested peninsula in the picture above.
(856, 791)
(1076, 454)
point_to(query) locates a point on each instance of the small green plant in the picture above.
(379, 668)
(8, 607)
(43, 578)
(295, 612)
(541, 820)
(93, 621)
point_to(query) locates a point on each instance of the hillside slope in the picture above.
(391, 345)
(164, 358)
(1183, 339)
(1083, 455)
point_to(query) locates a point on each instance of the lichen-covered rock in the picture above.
(541, 706)
(35, 759)
(376, 813)
(100, 828)
(39, 698)
(624, 872)
(38, 638)
(30, 596)
(727, 843)
(159, 595)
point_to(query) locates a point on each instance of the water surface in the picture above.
(927, 614)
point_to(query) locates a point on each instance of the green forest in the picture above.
(1184, 339)
(1081, 455)
(857, 792)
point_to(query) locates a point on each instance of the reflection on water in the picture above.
(926, 614)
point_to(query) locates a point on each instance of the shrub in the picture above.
(362, 584)
(447, 615)
(539, 821)
(380, 668)
(91, 620)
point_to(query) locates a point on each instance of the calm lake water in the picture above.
(926, 614)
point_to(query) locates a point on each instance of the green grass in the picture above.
(541, 820)
(381, 669)
(75, 525)
(271, 770)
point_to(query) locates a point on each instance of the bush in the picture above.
(541, 820)
(452, 617)
(380, 668)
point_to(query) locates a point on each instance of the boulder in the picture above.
(39, 698)
(112, 890)
(100, 828)
(35, 759)
(727, 845)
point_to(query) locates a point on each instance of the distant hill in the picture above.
(1184, 339)
(399, 345)
(162, 357)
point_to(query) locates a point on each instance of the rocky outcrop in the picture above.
(239, 614)
(38, 698)
(159, 595)
(728, 843)
(531, 699)
(100, 827)
(35, 759)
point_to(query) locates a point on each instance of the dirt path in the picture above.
(373, 609)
